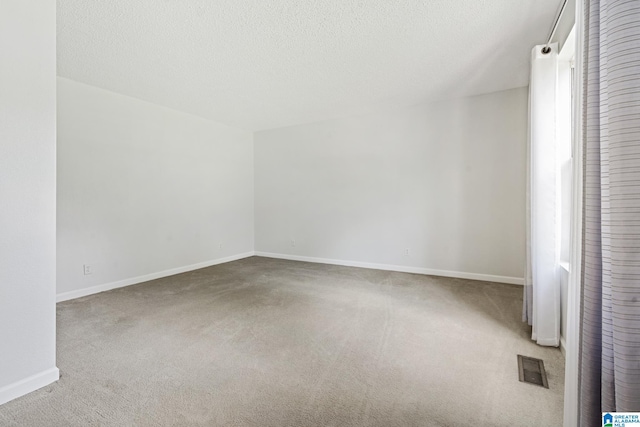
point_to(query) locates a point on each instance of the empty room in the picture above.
(319, 213)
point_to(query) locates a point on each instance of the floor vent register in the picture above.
(531, 371)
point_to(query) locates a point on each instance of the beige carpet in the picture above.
(262, 342)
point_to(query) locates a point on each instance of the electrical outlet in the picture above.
(293, 243)
(88, 270)
(407, 252)
(220, 246)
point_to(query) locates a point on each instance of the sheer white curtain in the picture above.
(542, 288)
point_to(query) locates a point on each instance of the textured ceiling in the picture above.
(265, 64)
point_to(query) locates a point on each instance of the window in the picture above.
(564, 136)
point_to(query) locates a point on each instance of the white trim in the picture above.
(29, 384)
(572, 334)
(400, 268)
(569, 47)
(65, 296)
(563, 346)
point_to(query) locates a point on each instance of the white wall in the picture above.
(143, 189)
(27, 196)
(446, 181)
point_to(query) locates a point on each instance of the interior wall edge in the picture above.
(27, 197)
(398, 268)
(66, 296)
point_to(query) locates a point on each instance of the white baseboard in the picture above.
(29, 384)
(65, 296)
(399, 268)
